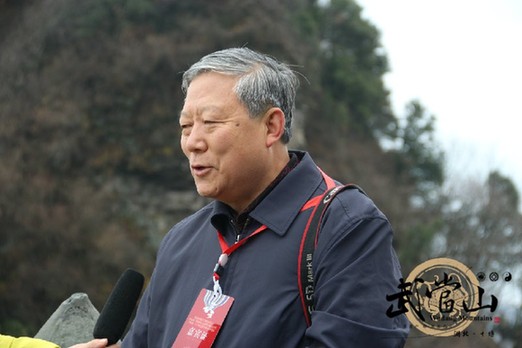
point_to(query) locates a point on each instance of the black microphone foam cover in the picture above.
(119, 307)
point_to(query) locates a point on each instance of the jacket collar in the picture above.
(294, 190)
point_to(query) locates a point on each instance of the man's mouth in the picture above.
(200, 170)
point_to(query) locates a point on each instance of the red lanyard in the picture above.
(227, 250)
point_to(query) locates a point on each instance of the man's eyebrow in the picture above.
(199, 111)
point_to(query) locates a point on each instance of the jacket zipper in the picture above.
(240, 233)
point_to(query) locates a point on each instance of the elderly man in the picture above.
(238, 255)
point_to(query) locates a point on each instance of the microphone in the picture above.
(118, 309)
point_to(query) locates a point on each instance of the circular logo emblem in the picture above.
(443, 295)
(493, 276)
(481, 276)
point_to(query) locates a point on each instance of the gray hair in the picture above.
(263, 81)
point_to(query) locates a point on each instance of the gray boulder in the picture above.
(73, 322)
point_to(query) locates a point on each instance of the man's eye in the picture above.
(185, 129)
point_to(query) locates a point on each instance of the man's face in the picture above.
(226, 148)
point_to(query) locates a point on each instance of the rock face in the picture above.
(73, 322)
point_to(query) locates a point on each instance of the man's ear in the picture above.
(275, 125)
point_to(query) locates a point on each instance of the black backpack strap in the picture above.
(306, 250)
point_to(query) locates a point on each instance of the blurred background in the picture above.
(92, 177)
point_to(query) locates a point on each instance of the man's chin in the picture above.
(206, 192)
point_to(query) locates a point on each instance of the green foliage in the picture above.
(415, 242)
(420, 161)
(418, 167)
(483, 226)
(502, 192)
(352, 69)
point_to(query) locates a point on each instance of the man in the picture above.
(235, 126)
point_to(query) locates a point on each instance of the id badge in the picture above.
(204, 320)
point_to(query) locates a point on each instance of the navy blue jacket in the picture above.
(355, 268)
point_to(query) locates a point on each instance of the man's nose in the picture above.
(195, 141)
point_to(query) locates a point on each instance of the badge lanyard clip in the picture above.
(218, 270)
